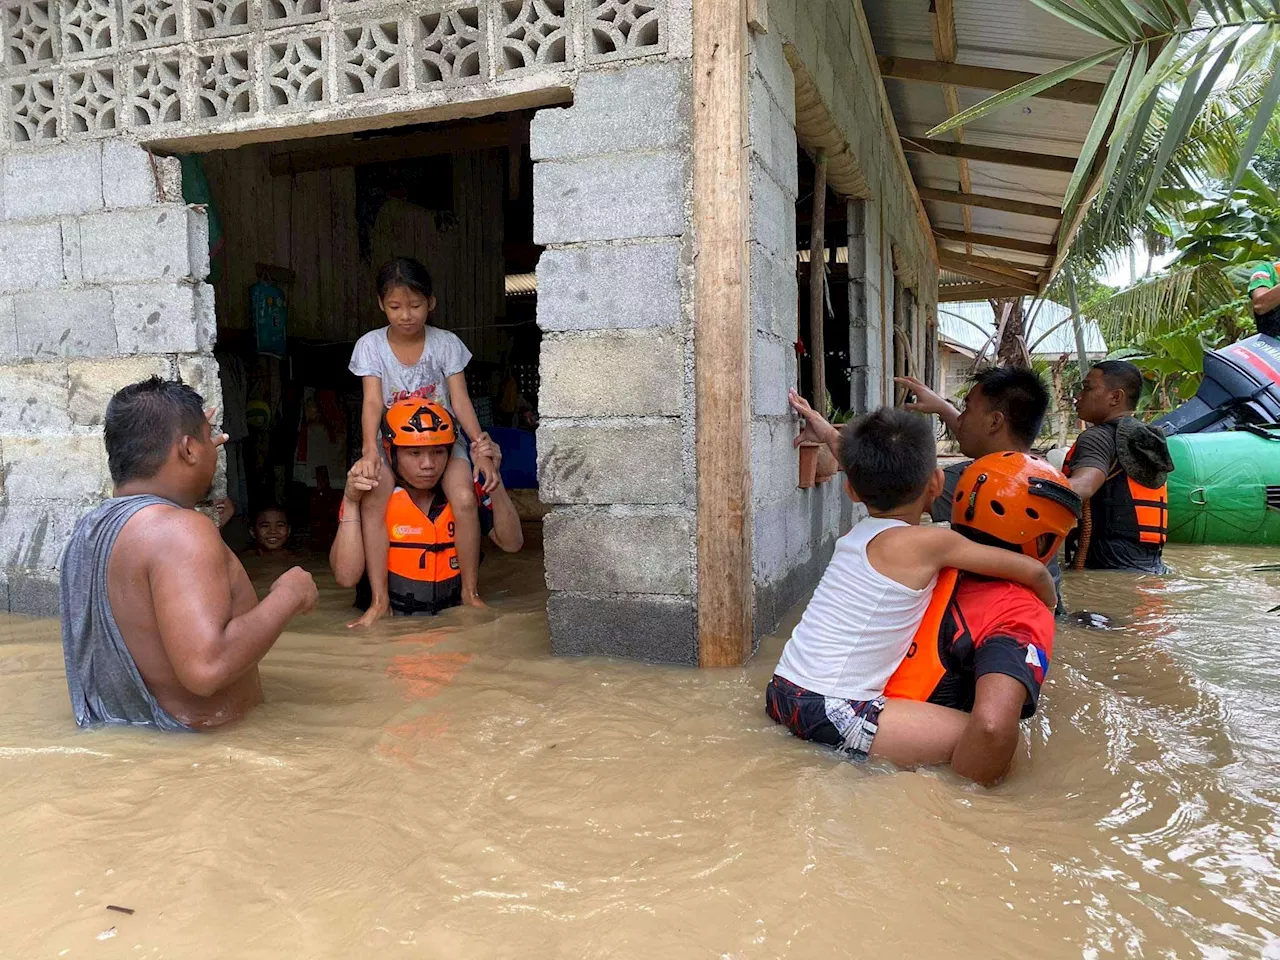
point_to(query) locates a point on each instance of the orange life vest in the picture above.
(422, 560)
(1124, 509)
(921, 670)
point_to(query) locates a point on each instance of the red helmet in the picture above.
(1017, 500)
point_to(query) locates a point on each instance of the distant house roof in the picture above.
(1049, 329)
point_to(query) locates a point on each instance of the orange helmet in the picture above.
(417, 423)
(1017, 500)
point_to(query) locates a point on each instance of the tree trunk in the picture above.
(1012, 350)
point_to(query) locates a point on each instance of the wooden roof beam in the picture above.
(1019, 271)
(972, 151)
(1025, 207)
(959, 264)
(985, 78)
(994, 240)
(957, 292)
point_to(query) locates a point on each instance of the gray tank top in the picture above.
(102, 678)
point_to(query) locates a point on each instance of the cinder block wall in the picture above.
(612, 196)
(795, 530)
(101, 284)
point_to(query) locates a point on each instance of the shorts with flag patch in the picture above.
(848, 726)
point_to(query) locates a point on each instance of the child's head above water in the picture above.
(890, 458)
(405, 294)
(271, 529)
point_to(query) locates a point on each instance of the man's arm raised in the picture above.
(507, 534)
(929, 401)
(986, 746)
(191, 593)
(346, 556)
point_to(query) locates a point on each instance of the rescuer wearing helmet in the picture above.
(422, 564)
(984, 645)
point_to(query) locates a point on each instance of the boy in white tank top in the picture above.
(829, 685)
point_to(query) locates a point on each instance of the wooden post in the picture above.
(722, 332)
(817, 280)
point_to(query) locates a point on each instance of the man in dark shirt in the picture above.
(1003, 410)
(1118, 465)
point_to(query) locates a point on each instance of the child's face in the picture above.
(271, 530)
(406, 309)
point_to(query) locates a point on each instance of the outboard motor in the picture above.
(1241, 386)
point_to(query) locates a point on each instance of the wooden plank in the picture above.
(944, 48)
(1025, 207)
(722, 345)
(1019, 271)
(959, 264)
(957, 292)
(817, 277)
(445, 139)
(994, 240)
(972, 151)
(986, 78)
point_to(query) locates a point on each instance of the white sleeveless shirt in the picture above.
(858, 626)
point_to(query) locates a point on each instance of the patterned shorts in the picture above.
(849, 726)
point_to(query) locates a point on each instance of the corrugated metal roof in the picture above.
(1049, 329)
(1010, 35)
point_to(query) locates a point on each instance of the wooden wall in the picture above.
(307, 223)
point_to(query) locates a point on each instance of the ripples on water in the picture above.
(445, 789)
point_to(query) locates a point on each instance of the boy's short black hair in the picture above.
(143, 422)
(888, 456)
(1122, 375)
(1020, 395)
(270, 508)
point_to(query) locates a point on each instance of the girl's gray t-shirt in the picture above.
(443, 355)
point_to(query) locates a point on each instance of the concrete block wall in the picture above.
(101, 284)
(612, 196)
(794, 530)
(866, 306)
(829, 38)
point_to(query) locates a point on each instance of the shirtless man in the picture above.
(160, 624)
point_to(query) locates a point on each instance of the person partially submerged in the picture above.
(271, 533)
(160, 624)
(423, 574)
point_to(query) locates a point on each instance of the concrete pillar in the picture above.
(101, 284)
(612, 182)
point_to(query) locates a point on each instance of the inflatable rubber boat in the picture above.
(1225, 445)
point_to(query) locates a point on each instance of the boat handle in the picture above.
(1198, 491)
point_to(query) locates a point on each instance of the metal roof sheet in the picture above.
(1049, 329)
(1010, 35)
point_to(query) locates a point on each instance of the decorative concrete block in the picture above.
(128, 178)
(773, 373)
(92, 383)
(33, 398)
(609, 286)
(137, 245)
(163, 318)
(629, 461)
(618, 197)
(65, 323)
(594, 550)
(61, 180)
(30, 256)
(615, 374)
(8, 331)
(68, 466)
(644, 107)
(651, 629)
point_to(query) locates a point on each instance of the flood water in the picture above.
(446, 789)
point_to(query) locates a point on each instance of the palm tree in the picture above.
(1169, 61)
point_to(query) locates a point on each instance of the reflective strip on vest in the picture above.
(921, 669)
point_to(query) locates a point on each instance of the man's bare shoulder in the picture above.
(164, 532)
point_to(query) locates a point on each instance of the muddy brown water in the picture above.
(446, 789)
